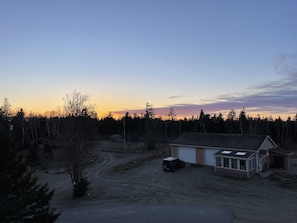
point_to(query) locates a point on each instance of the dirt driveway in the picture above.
(253, 200)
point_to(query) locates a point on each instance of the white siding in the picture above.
(267, 144)
(187, 154)
(210, 160)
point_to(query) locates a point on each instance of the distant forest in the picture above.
(28, 128)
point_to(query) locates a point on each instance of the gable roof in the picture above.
(220, 140)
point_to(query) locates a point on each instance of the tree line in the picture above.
(283, 132)
(29, 129)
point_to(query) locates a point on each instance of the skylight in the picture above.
(240, 153)
(226, 152)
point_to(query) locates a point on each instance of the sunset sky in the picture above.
(214, 55)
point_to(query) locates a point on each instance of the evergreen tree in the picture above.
(243, 122)
(22, 199)
(202, 121)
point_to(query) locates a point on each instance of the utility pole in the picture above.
(124, 127)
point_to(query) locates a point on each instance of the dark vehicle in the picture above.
(172, 163)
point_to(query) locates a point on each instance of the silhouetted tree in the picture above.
(22, 199)
(231, 122)
(34, 127)
(149, 111)
(243, 122)
(221, 123)
(5, 109)
(295, 128)
(150, 137)
(171, 116)
(20, 128)
(109, 125)
(77, 130)
(202, 121)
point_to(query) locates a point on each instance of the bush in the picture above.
(80, 188)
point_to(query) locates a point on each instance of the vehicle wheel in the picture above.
(173, 169)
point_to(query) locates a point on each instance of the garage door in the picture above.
(210, 160)
(187, 154)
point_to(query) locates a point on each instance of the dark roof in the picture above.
(220, 140)
(282, 152)
(234, 153)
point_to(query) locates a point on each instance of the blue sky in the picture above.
(189, 55)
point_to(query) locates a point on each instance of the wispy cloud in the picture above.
(286, 65)
(175, 96)
(272, 97)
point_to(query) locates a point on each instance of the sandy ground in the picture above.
(138, 178)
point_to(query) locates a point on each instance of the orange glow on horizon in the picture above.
(120, 115)
(46, 109)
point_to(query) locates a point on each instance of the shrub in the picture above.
(80, 188)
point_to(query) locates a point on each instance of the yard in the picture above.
(137, 177)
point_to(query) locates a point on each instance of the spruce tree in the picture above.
(22, 199)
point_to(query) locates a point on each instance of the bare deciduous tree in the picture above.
(75, 104)
(77, 114)
(171, 114)
(5, 109)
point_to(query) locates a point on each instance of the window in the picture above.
(242, 164)
(234, 163)
(226, 162)
(218, 161)
(252, 164)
